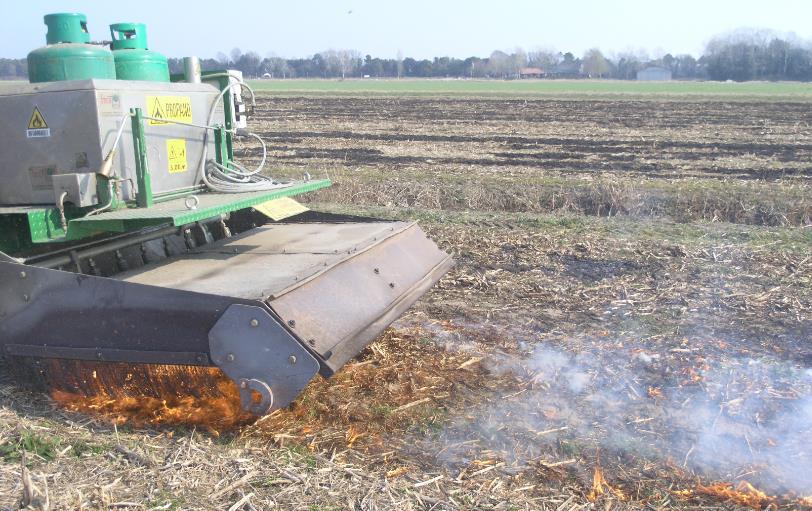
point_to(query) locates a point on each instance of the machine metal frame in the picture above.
(155, 269)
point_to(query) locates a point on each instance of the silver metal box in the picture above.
(80, 189)
(59, 128)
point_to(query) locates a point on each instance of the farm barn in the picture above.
(531, 72)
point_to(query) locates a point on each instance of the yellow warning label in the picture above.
(171, 108)
(37, 121)
(279, 209)
(176, 154)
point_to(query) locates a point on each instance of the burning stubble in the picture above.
(148, 395)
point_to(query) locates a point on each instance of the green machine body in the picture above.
(69, 54)
(134, 61)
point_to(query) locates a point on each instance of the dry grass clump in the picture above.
(603, 196)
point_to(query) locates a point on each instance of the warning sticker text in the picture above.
(176, 154)
(170, 108)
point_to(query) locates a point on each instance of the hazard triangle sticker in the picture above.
(37, 126)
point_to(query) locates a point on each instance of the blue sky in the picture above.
(419, 28)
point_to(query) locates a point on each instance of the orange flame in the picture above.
(655, 393)
(600, 487)
(149, 394)
(353, 435)
(744, 494)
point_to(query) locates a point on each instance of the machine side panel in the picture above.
(47, 130)
(63, 138)
(174, 152)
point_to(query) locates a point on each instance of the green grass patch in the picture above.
(425, 341)
(43, 446)
(428, 420)
(82, 448)
(531, 88)
(382, 410)
(166, 500)
(302, 454)
(569, 449)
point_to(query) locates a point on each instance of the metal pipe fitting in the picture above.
(191, 69)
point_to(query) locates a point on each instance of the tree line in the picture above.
(739, 56)
(498, 65)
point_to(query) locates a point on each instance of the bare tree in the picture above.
(332, 65)
(627, 64)
(542, 58)
(236, 53)
(499, 64)
(276, 67)
(348, 61)
(400, 63)
(595, 64)
(518, 61)
(341, 62)
(249, 63)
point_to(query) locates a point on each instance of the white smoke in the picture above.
(721, 416)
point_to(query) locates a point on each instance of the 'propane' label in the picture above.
(171, 108)
(176, 154)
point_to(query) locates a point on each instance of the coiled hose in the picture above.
(236, 178)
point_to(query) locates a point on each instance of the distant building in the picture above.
(654, 74)
(531, 72)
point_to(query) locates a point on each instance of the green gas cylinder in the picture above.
(133, 60)
(68, 55)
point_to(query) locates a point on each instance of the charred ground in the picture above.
(627, 326)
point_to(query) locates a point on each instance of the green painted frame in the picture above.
(23, 228)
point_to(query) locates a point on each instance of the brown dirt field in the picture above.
(687, 161)
(627, 326)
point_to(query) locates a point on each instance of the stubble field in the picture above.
(627, 325)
